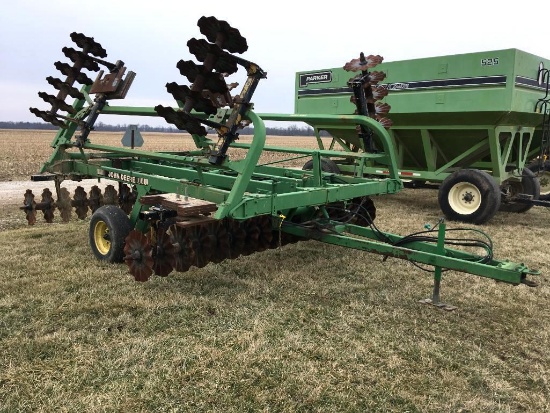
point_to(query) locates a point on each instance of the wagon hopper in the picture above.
(170, 211)
(475, 125)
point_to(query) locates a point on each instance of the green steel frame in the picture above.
(245, 189)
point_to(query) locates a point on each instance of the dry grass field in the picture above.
(307, 327)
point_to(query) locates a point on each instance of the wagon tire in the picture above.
(109, 227)
(529, 185)
(469, 195)
(327, 165)
(542, 171)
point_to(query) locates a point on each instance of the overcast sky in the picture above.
(283, 37)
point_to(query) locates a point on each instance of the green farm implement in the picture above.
(474, 125)
(172, 210)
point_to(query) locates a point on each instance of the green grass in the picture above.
(306, 328)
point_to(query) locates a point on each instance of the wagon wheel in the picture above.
(95, 198)
(64, 204)
(163, 254)
(181, 252)
(511, 188)
(110, 195)
(29, 206)
(327, 165)
(138, 254)
(469, 195)
(80, 202)
(47, 205)
(542, 171)
(127, 198)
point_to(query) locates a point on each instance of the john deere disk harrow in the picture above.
(166, 211)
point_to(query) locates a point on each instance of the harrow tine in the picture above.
(57, 103)
(48, 117)
(81, 59)
(221, 33)
(88, 44)
(73, 73)
(184, 93)
(65, 87)
(201, 49)
(363, 63)
(181, 120)
(213, 81)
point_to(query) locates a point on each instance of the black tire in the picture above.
(469, 195)
(529, 185)
(109, 227)
(327, 165)
(542, 171)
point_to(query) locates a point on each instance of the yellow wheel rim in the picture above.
(101, 237)
(464, 198)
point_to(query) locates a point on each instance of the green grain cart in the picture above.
(473, 124)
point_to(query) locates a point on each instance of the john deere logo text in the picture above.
(317, 77)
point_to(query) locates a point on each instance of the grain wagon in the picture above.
(475, 125)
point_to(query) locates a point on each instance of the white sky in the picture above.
(283, 37)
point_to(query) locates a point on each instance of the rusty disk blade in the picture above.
(95, 198)
(64, 204)
(182, 253)
(266, 232)
(29, 206)
(222, 248)
(164, 258)
(110, 196)
(194, 235)
(138, 255)
(80, 202)
(47, 205)
(237, 236)
(252, 237)
(127, 198)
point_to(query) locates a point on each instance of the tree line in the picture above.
(291, 130)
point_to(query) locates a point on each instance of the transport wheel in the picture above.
(327, 165)
(109, 226)
(542, 171)
(529, 185)
(469, 195)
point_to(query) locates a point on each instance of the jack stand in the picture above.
(437, 274)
